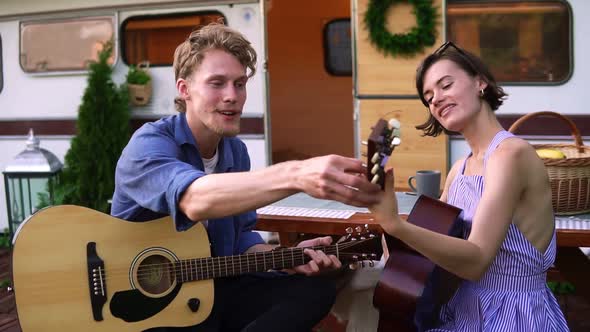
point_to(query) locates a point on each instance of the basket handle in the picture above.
(574, 130)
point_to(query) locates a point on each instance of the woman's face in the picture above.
(453, 95)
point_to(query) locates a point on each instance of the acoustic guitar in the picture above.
(75, 269)
(411, 289)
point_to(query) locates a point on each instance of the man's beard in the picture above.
(227, 133)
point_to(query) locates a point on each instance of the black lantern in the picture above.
(27, 177)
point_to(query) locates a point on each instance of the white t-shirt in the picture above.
(210, 165)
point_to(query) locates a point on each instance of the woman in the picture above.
(504, 191)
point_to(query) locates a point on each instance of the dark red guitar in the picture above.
(411, 289)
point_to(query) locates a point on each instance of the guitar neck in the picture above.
(227, 266)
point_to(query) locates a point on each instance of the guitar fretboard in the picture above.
(227, 266)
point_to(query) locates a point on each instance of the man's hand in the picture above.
(319, 260)
(337, 178)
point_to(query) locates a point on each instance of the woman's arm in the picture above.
(469, 259)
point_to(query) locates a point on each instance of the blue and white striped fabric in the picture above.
(513, 294)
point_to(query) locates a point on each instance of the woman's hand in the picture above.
(386, 212)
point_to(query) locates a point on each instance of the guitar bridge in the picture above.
(96, 281)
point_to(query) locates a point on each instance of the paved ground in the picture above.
(8, 320)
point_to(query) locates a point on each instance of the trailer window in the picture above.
(63, 45)
(154, 38)
(337, 47)
(521, 41)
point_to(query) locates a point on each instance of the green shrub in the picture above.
(561, 288)
(88, 176)
(5, 239)
(4, 283)
(137, 76)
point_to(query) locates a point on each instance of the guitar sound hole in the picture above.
(155, 274)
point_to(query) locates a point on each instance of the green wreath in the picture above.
(401, 44)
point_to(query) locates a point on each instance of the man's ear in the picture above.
(182, 88)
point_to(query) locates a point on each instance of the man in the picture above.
(192, 167)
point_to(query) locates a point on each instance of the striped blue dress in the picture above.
(513, 294)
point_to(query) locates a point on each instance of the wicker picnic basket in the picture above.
(570, 177)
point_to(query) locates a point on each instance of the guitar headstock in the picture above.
(359, 247)
(385, 136)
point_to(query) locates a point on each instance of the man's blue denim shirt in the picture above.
(159, 163)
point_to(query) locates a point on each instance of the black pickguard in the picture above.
(132, 306)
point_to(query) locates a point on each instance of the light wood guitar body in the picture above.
(51, 277)
(75, 269)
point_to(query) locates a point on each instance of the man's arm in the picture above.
(328, 177)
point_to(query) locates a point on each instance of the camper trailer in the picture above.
(534, 48)
(321, 83)
(45, 50)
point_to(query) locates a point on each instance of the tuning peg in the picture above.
(375, 169)
(352, 266)
(394, 123)
(365, 143)
(375, 179)
(371, 263)
(348, 230)
(375, 158)
(358, 229)
(396, 141)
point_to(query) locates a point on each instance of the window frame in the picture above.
(114, 18)
(567, 6)
(325, 43)
(1, 68)
(162, 15)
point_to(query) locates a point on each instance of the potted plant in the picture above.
(139, 83)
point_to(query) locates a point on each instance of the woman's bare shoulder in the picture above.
(517, 156)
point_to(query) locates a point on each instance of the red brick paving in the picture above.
(8, 320)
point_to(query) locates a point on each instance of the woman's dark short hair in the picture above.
(494, 95)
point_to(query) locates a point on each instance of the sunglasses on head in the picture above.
(441, 50)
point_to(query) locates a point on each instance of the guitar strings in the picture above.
(254, 256)
(45, 288)
(244, 265)
(216, 265)
(219, 265)
(113, 276)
